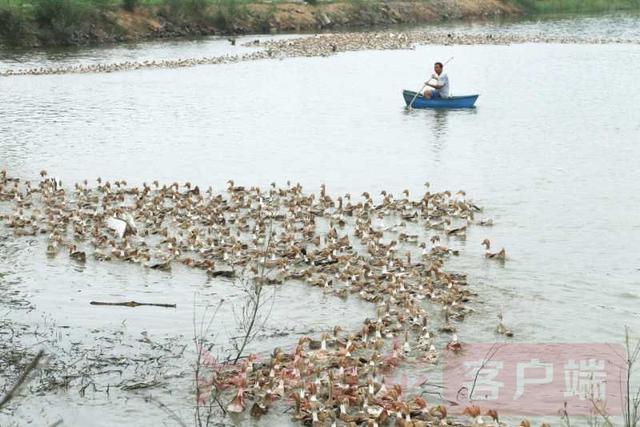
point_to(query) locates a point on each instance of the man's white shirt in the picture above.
(443, 80)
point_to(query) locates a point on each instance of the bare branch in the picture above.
(33, 365)
(200, 334)
(487, 358)
(251, 310)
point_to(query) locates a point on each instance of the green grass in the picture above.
(575, 6)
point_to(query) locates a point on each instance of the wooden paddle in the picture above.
(415, 96)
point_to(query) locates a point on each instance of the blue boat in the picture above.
(466, 101)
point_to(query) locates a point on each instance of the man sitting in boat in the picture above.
(438, 83)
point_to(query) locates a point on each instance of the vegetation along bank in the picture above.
(82, 22)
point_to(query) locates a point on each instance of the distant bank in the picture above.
(82, 22)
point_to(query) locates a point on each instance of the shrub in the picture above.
(130, 5)
(227, 13)
(59, 19)
(186, 11)
(16, 27)
(46, 12)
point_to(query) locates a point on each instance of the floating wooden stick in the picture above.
(133, 304)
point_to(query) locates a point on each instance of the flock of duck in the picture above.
(378, 251)
(315, 45)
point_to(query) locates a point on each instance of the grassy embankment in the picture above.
(68, 22)
(575, 6)
(74, 22)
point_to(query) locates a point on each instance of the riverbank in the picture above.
(34, 23)
(76, 22)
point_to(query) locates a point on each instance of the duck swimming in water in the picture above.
(75, 254)
(501, 256)
(338, 246)
(454, 345)
(52, 248)
(502, 329)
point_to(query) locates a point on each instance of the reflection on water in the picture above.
(437, 122)
(620, 25)
(149, 50)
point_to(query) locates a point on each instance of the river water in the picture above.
(551, 152)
